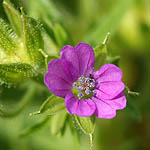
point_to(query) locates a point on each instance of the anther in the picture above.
(75, 84)
(87, 91)
(79, 88)
(80, 95)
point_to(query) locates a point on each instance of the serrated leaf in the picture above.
(13, 16)
(15, 72)
(51, 106)
(34, 127)
(86, 124)
(8, 39)
(58, 122)
(32, 39)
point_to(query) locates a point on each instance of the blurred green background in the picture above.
(88, 21)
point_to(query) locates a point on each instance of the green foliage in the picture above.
(86, 124)
(60, 35)
(8, 40)
(51, 106)
(13, 16)
(28, 96)
(28, 44)
(101, 53)
(132, 108)
(57, 123)
(32, 39)
(34, 127)
(15, 72)
(20, 53)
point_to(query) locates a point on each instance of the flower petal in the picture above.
(83, 107)
(60, 77)
(107, 109)
(108, 72)
(109, 90)
(118, 102)
(81, 57)
(68, 53)
(103, 109)
(57, 85)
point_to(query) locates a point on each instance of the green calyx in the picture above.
(21, 44)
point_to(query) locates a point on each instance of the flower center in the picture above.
(83, 88)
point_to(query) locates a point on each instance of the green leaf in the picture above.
(45, 10)
(8, 40)
(13, 16)
(34, 128)
(15, 72)
(61, 35)
(58, 123)
(133, 109)
(47, 13)
(12, 112)
(100, 55)
(108, 23)
(112, 59)
(32, 39)
(86, 124)
(51, 106)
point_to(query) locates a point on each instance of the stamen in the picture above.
(87, 91)
(82, 77)
(81, 81)
(87, 80)
(75, 84)
(80, 95)
(92, 80)
(92, 85)
(79, 88)
(85, 87)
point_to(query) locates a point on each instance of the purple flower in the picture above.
(85, 91)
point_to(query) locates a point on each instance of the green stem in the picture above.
(23, 103)
(91, 141)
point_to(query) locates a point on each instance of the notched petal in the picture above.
(109, 90)
(108, 72)
(60, 77)
(107, 108)
(86, 58)
(83, 108)
(103, 109)
(81, 57)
